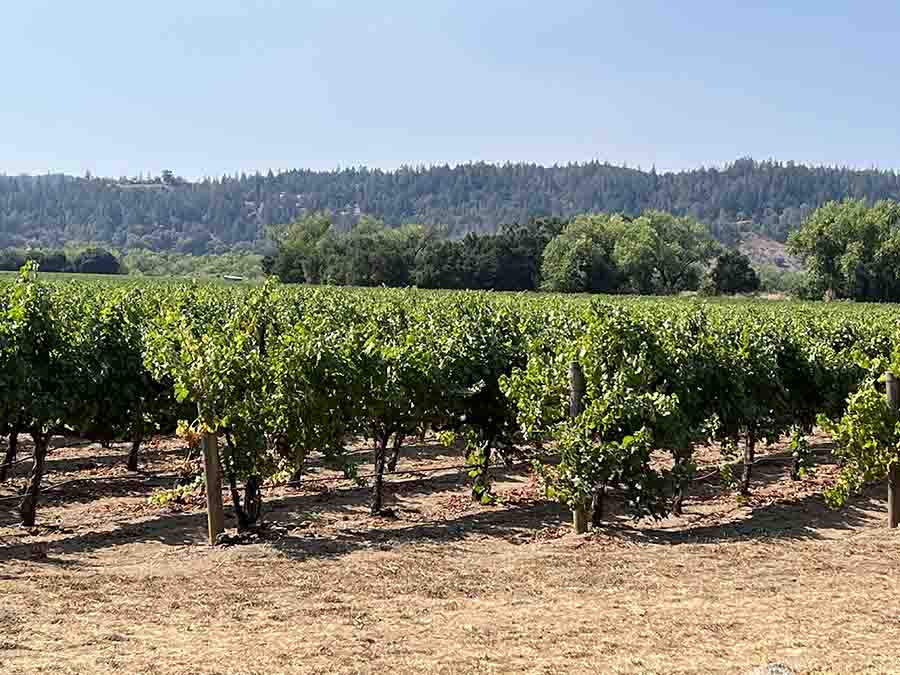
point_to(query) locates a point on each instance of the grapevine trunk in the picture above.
(28, 506)
(134, 452)
(12, 451)
(679, 480)
(395, 456)
(749, 454)
(597, 506)
(378, 486)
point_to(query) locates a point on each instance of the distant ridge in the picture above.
(231, 213)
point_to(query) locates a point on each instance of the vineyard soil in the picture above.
(110, 583)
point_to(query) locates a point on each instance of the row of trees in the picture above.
(852, 250)
(314, 250)
(654, 253)
(136, 262)
(93, 260)
(231, 213)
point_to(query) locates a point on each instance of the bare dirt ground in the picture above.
(112, 584)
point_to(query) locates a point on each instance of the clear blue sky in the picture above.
(206, 87)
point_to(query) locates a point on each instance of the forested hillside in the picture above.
(231, 213)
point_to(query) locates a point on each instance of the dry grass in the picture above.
(118, 586)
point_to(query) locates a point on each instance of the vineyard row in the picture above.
(591, 388)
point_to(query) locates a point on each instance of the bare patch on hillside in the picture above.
(765, 251)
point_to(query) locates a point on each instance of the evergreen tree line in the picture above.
(653, 253)
(232, 213)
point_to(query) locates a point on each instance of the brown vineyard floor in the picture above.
(111, 584)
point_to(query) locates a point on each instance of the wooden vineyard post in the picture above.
(577, 390)
(892, 389)
(215, 513)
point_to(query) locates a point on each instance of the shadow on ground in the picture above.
(807, 517)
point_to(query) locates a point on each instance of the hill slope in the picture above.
(765, 251)
(213, 216)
